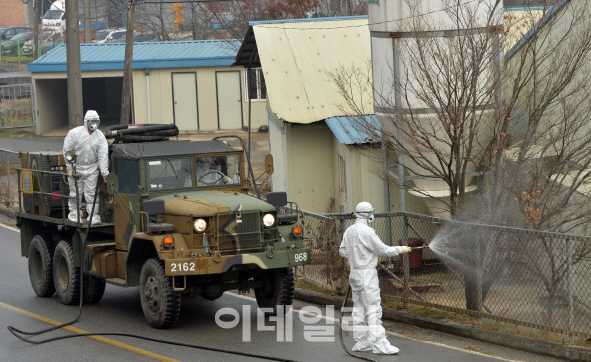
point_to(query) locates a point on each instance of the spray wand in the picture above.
(420, 247)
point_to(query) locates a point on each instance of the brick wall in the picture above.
(12, 13)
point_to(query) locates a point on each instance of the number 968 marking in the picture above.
(301, 257)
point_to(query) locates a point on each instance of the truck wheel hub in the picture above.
(152, 294)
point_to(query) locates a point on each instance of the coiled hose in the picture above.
(20, 333)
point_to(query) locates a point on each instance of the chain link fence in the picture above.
(9, 162)
(518, 276)
(16, 106)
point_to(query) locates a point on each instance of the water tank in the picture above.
(395, 22)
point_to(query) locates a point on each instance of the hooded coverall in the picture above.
(92, 156)
(361, 246)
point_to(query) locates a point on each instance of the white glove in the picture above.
(104, 179)
(406, 249)
(225, 179)
(70, 172)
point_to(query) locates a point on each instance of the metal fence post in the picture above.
(8, 179)
(405, 260)
(569, 280)
(478, 276)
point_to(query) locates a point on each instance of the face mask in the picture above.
(94, 125)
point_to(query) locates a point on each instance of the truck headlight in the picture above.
(268, 220)
(200, 225)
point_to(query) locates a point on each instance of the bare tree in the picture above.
(468, 106)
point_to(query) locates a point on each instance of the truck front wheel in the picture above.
(41, 266)
(66, 276)
(278, 290)
(160, 303)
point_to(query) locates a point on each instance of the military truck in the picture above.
(177, 220)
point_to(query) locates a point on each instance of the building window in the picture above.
(342, 176)
(256, 89)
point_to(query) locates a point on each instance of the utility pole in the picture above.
(87, 24)
(35, 29)
(73, 65)
(126, 92)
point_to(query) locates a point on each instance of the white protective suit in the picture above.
(361, 246)
(92, 156)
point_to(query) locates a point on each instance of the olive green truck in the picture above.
(177, 221)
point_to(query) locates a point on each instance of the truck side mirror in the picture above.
(112, 183)
(269, 169)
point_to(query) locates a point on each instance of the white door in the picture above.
(184, 97)
(229, 97)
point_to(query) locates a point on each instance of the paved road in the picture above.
(120, 311)
(33, 144)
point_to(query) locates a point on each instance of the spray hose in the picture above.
(20, 333)
(341, 331)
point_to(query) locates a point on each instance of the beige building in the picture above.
(189, 83)
(321, 159)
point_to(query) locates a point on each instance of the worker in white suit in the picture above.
(361, 246)
(92, 157)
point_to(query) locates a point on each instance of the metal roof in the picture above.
(170, 54)
(135, 151)
(296, 58)
(351, 130)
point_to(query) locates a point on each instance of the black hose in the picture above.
(18, 333)
(14, 331)
(144, 129)
(341, 331)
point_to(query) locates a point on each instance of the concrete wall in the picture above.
(309, 164)
(51, 104)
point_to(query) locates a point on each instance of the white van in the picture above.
(55, 18)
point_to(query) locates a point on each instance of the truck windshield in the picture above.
(169, 173)
(217, 170)
(53, 14)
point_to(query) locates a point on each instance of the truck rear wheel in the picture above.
(66, 276)
(41, 266)
(278, 290)
(160, 303)
(94, 288)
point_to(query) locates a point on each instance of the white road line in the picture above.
(397, 334)
(11, 228)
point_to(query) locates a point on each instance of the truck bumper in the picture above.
(208, 265)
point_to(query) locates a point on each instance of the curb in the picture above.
(575, 354)
(8, 212)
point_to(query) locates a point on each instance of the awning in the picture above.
(351, 130)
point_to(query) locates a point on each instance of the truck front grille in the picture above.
(234, 236)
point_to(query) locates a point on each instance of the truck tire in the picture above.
(94, 288)
(160, 303)
(278, 290)
(66, 277)
(41, 265)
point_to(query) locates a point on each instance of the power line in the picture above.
(310, 28)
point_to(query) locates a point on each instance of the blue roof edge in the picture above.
(353, 135)
(137, 64)
(546, 18)
(305, 20)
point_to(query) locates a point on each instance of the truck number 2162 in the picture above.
(182, 267)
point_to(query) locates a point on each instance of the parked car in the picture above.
(47, 41)
(141, 37)
(117, 36)
(10, 48)
(101, 35)
(10, 32)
